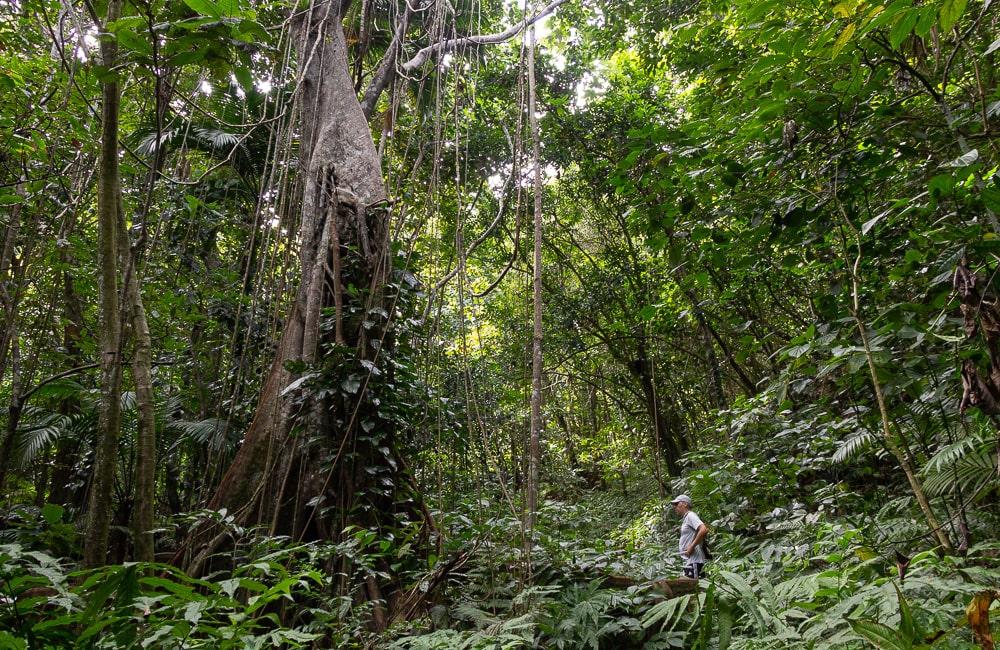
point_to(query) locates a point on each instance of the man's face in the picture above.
(680, 508)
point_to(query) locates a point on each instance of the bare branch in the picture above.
(445, 46)
(387, 68)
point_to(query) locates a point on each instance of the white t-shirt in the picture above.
(689, 528)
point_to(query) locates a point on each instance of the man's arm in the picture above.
(698, 536)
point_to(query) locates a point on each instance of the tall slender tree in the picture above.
(534, 448)
(108, 200)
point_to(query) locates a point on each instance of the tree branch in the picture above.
(445, 46)
(387, 68)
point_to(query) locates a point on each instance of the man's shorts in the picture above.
(694, 570)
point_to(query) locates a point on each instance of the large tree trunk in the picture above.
(10, 278)
(340, 174)
(142, 361)
(303, 469)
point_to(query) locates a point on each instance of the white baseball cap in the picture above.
(682, 498)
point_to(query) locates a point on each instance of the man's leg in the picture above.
(694, 570)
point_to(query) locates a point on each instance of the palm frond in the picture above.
(129, 401)
(218, 140)
(950, 454)
(970, 472)
(212, 432)
(860, 441)
(40, 429)
(60, 389)
(32, 442)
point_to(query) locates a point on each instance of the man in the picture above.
(693, 531)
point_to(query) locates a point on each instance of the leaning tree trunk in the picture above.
(304, 467)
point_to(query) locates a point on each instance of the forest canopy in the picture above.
(404, 323)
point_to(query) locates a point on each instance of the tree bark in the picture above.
(666, 439)
(145, 455)
(144, 501)
(304, 468)
(534, 450)
(13, 410)
(9, 280)
(341, 180)
(109, 417)
(67, 448)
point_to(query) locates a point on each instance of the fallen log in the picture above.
(669, 587)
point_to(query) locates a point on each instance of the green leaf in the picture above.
(252, 30)
(928, 16)
(951, 11)
(53, 513)
(96, 627)
(770, 110)
(192, 613)
(906, 623)
(878, 19)
(229, 8)
(244, 77)
(204, 7)
(903, 27)
(133, 42)
(184, 58)
(167, 585)
(843, 39)
(941, 185)
(101, 595)
(845, 9)
(725, 623)
(881, 636)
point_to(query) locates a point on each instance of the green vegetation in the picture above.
(271, 276)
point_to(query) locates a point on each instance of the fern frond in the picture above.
(477, 617)
(667, 613)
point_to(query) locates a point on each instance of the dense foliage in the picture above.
(770, 241)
